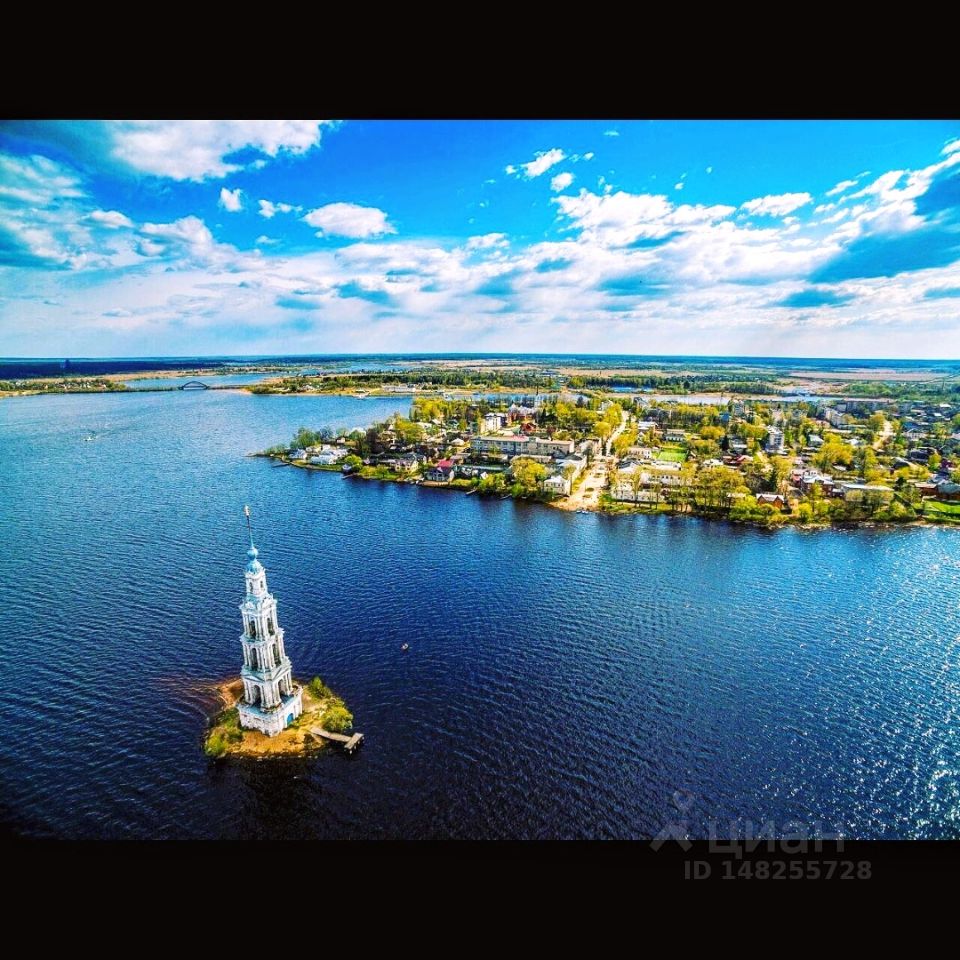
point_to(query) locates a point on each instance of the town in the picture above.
(767, 460)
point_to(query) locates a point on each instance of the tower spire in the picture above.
(246, 513)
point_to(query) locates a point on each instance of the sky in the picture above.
(756, 238)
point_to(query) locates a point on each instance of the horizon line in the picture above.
(477, 354)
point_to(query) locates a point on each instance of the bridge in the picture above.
(194, 385)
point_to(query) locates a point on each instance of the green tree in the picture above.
(934, 461)
(875, 422)
(528, 474)
(782, 468)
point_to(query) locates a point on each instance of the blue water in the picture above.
(566, 675)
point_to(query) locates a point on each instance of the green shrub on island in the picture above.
(226, 730)
(216, 745)
(336, 718)
(319, 689)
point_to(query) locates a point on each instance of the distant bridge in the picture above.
(194, 385)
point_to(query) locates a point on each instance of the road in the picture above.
(587, 494)
(883, 435)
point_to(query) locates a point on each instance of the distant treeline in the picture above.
(704, 384)
(514, 379)
(945, 389)
(30, 369)
(62, 385)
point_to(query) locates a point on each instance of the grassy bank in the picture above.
(321, 708)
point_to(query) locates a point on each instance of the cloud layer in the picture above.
(871, 260)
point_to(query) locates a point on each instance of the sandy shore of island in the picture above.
(296, 740)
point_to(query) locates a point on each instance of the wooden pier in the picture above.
(349, 743)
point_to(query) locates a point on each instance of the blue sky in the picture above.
(803, 238)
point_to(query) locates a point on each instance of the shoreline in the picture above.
(223, 736)
(628, 509)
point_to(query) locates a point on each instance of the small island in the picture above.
(322, 709)
(266, 712)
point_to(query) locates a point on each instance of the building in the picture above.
(774, 442)
(774, 499)
(442, 472)
(326, 455)
(271, 700)
(833, 417)
(736, 445)
(576, 461)
(491, 422)
(521, 446)
(558, 484)
(518, 411)
(947, 490)
(675, 436)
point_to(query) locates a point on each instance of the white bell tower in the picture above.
(271, 700)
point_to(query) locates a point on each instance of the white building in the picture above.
(774, 440)
(833, 417)
(271, 700)
(558, 483)
(327, 455)
(492, 422)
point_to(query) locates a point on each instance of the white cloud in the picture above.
(269, 209)
(349, 220)
(230, 200)
(678, 185)
(113, 219)
(188, 237)
(48, 220)
(561, 181)
(777, 205)
(647, 272)
(709, 169)
(951, 147)
(841, 187)
(540, 164)
(197, 149)
(611, 133)
(487, 241)
(619, 219)
(881, 187)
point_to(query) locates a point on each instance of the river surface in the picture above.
(568, 675)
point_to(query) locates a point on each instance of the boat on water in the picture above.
(89, 437)
(405, 647)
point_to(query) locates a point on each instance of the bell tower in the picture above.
(271, 700)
